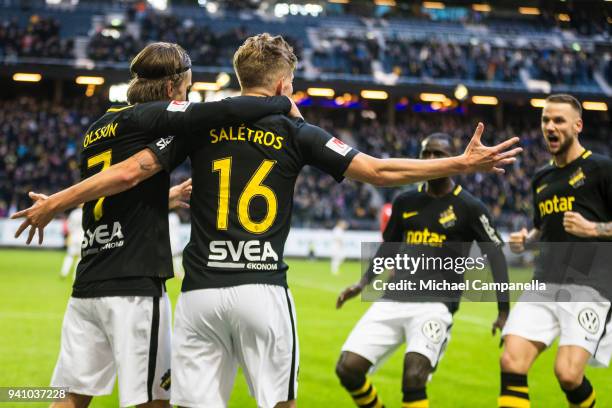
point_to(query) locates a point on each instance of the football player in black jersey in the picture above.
(235, 307)
(118, 318)
(440, 218)
(572, 200)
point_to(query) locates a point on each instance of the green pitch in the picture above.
(33, 299)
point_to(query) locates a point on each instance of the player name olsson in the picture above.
(443, 285)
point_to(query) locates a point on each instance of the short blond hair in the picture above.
(262, 59)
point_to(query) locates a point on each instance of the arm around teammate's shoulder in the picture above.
(237, 110)
(185, 119)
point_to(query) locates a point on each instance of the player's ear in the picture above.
(169, 90)
(578, 125)
(279, 86)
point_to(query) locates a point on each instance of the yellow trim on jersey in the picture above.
(406, 215)
(421, 187)
(120, 109)
(540, 188)
(576, 177)
(457, 190)
(583, 155)
(518, 389)
(512, 401)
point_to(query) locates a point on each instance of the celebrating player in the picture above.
(572, 199)
(235, 307)
(118, 318)
(435, 215)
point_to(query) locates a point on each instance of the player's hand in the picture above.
(500, 322)
(294, 112)
(481, 158)
(179, 195)
(36, 217)
(575, 224)
(517, 241)
(347, 294)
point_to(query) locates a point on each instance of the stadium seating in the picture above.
(499, 54)
(40, 154)
(502, 54)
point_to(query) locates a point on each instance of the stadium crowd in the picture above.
(207, 47)
(40, 37)
(39, 146)
(333, 52)
(481, 60)
(39, 152)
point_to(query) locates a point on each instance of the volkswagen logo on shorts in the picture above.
(589, 320)
(433, 330)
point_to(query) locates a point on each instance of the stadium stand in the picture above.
(407, 47)
(40, 154)
(39, 37)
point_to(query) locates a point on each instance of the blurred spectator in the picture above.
(206, 46)
(345, 52)
(106, 48)
(40, 148)
(39, 38)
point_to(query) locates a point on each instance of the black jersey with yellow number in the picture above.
(444, 227)
(126, 247)
(243, 182)
(583, 186)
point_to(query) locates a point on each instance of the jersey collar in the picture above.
(455, 192)
(586, 153)
(119, 108)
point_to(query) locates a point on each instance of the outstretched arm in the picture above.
(116, 179)
(391, 172)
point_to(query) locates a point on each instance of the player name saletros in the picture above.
(246, 134)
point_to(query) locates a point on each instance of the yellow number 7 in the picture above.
(103, 158)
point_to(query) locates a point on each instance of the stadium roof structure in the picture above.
(502, 25)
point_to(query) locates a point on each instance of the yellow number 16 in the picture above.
(253, 189)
